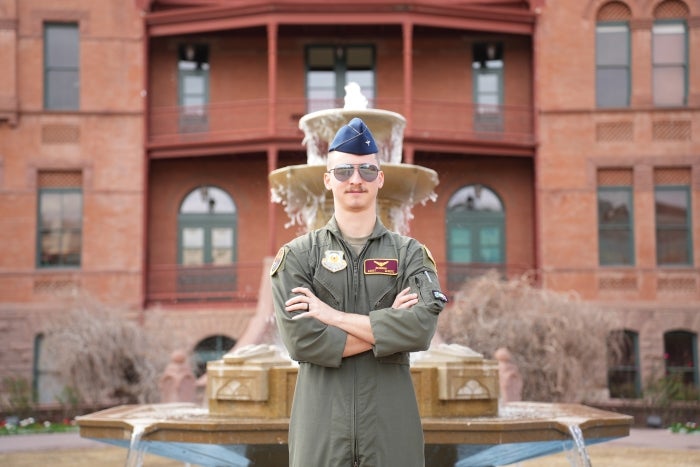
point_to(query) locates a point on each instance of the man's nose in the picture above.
(355, 177)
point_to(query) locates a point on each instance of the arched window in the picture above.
(670, 53)
(207, 229)
(623, 364)
(680, 354)
(208, 349)
(613, 55)
(475, 234)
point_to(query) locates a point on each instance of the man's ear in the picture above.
(327, 180)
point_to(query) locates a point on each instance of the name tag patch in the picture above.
(389, 267)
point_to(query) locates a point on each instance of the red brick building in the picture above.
(136, 139)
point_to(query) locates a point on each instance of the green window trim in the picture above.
(475, 234)
(61, 66)
(59, 228)
(488, 86)
(329, 68)
(673, 232)
(208, 349)
(616, 227)
(193, 85)
(208, 209)
(681, 356)
(611, 66)
(661, 63)
(487, 62)
(624, 378)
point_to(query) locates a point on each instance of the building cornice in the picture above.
(213, 16)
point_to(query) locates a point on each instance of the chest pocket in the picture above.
(330, 287)
(381, 288)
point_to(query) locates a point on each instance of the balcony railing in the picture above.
(247, 120)
(240, 282)
(173, 283)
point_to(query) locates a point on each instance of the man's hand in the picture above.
(305, 300)
(356, 324)
(405, 299)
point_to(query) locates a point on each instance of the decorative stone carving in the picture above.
(178, 382)
(253, 381)
(452, 380)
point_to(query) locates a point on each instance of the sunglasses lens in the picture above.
(368, 172)
(343, 172)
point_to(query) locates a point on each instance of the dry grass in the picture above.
(103, 457)
(605, 456)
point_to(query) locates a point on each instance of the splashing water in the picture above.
(578, 454)
(300, 188)
(136, 452)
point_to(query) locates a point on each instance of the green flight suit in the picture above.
(359, 410)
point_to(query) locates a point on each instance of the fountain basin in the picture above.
(321, 126)
(189, 433)
(300, 189)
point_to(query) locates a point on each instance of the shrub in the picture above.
(558, 342)
(18, 398)
(104, 357)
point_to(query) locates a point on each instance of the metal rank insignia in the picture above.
(334, 261)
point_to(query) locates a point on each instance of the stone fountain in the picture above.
(249, 391)
(300, 189)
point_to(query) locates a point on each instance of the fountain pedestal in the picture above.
(255, 382)
(453, 381)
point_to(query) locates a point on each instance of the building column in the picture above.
(641, 67)
(272, 31)
(694, 70)
(9, 102)
(407, 28)
(272, 159)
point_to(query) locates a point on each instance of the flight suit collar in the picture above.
(378, 231)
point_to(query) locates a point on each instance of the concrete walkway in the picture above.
(639, 437)
(659, 439)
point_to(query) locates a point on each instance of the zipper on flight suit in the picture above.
(356, 259)
(355, 459)
(356, 284)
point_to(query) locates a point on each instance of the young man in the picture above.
(352, 299)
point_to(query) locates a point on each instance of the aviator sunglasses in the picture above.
(343, 172)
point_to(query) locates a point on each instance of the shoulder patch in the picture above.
(429, 256)
(440, 296)
(278, 261)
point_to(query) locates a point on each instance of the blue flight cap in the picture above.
(354, 138)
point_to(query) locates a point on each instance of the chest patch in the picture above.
(389, 267)
(333, 260)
